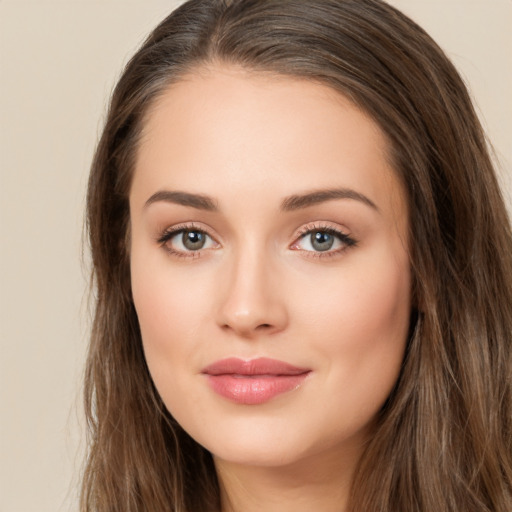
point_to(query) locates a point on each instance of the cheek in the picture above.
(360, 321)
(170, 311)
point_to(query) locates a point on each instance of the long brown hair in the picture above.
(443, 440)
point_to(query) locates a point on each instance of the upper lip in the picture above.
(259, 366)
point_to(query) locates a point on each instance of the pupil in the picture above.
(193, 240)
(322, 241)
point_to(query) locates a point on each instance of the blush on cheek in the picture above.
(370, 338)
(168, 313)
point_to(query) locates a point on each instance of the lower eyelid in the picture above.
(164, 241)
(344, 239)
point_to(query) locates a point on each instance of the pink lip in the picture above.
(255, 381)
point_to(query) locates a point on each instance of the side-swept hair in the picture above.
(443, 440)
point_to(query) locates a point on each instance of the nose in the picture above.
(252, 299)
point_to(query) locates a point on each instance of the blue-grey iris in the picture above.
(322, 241)
(193, 240)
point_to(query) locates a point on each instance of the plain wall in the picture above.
(58, 63)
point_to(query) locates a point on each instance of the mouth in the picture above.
(255, 381)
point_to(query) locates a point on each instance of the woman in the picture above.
(303, 271)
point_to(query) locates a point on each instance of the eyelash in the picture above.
(170, 233)
(347, 241)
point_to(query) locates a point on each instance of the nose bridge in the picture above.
(252, 301)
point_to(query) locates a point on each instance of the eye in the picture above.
(323, 240)
(181, 241)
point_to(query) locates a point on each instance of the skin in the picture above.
(259, 288)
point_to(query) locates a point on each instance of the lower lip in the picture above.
(254, 389)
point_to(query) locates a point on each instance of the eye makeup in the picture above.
(318, 240)
(321, 240)
(186, 240)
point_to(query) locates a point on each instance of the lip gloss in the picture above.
(255, 381)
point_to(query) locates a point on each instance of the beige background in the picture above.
(58, 62)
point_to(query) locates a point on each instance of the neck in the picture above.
(320, 484)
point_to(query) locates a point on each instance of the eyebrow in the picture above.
(291, 203)
(298, 202)
(198, 201)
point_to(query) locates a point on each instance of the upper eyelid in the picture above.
(167, 233)
(321, 226)
(343, 235)
(171, 231)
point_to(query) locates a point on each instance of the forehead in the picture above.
(259, 132)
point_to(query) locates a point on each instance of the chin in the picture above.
(249, 441)
(273, 443)
(255, 454)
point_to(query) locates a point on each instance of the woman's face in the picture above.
(269, 265)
